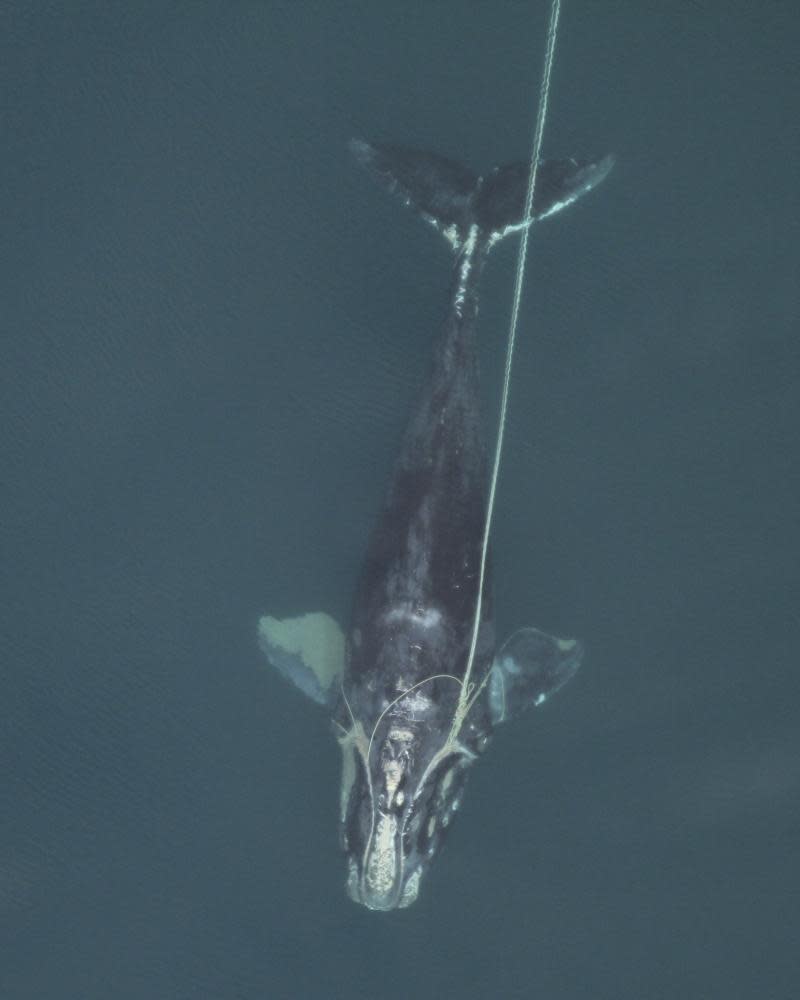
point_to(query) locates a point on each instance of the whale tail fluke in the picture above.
(452, 198)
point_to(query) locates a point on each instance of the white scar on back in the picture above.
(423, 617)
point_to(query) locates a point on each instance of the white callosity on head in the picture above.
(394, 762)
(411, 888)
(447, 780)
(431, 826)
(382, 860)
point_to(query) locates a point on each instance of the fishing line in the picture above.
(467, 696)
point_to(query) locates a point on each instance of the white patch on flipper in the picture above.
(315, 639)
(509, 665)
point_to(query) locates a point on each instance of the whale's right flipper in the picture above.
(308, 651)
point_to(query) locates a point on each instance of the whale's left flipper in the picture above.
(529, 667)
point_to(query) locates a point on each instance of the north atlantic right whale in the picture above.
(410, 715)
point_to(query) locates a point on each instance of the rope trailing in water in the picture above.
(467, 696)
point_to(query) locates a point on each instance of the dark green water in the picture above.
(211, 330)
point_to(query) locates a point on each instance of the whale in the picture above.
(415, 682)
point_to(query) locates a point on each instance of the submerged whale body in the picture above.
(408, 725)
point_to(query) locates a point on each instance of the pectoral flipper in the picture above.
(530, 667)
(307, 650)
